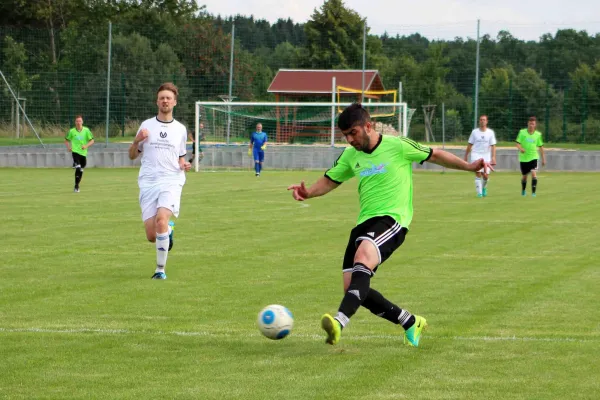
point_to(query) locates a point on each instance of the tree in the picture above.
(141, 79)
(334, 37)
(285, 56)
(495, 98)
(532, 95)
(14, 58)
(584, 91)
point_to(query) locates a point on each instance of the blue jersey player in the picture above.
(258, 144)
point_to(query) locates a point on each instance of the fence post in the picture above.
(584, 111)
(71, 116)
(565, 95)
(510, 108)
(108, 79)
(547, 122)
(476, 99)
(123, 104)
(333, 111)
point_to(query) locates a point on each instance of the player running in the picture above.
(78, 141)
(162, 142)
(482, 142)
(528, 141)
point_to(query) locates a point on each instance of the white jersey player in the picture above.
(482, 144)
(161, 142)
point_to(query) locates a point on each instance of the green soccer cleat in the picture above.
(532, 194)
(484, 192)
(523, 193)
(479, 195)
(413, 334)
(332, 327)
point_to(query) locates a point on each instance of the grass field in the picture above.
(510, 287)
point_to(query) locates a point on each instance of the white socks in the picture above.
(162, 250)
(478, 185)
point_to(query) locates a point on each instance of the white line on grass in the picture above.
(302, 336)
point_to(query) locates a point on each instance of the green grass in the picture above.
(509, 285)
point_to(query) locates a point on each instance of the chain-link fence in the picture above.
(63, 72)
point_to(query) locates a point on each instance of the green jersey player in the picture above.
(528, 141)
(78, 140)
(383, 165)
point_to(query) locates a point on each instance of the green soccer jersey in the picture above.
(385, 177)
(530, 142)
(78, 139)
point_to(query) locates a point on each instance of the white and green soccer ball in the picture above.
(275, 321)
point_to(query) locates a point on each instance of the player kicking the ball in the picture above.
(383, 164)
(161, 141)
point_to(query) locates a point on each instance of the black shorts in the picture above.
(384, 232)
(80, 160)
(527, 167)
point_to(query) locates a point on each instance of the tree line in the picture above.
(55, 54)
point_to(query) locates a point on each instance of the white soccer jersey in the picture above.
(482, 141)
(161, 152)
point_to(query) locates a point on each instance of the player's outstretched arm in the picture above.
(449, 160)
(321, 187)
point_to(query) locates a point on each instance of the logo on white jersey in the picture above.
(163, 134)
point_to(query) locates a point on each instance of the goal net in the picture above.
(289, 123)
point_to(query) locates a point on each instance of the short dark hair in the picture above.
(168, 86)
(353, 115)
(533, 118)
(79, 116)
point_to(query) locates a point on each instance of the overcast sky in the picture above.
(436, 19)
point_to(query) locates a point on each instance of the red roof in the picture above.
(308, 81)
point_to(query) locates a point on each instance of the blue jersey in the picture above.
(258, 139)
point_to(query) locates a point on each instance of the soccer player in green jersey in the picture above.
(78, 140)
(383, 164)
(528, 141)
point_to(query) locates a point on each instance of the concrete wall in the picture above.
(279, 157)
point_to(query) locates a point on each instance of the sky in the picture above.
(436, 19)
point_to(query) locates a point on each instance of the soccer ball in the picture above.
(275, 321)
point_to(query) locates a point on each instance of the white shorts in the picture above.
(486, 157)
(165, 195)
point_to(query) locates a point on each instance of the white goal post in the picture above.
(288, 122)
